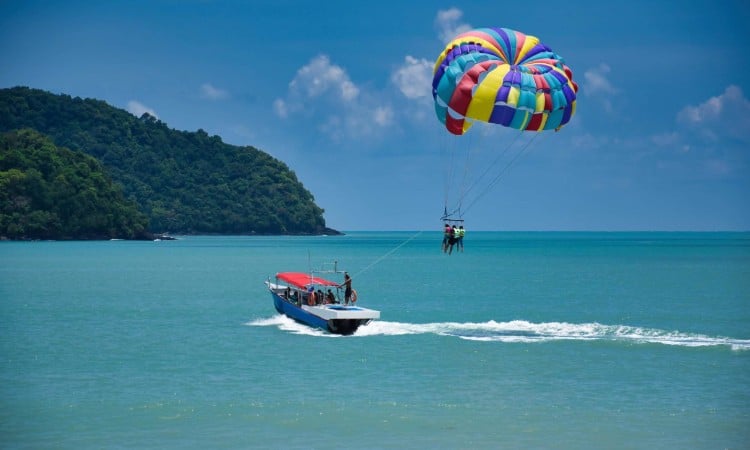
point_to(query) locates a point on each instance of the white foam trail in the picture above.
(284, 323)
(523, 331)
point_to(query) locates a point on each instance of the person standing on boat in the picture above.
(348, 288)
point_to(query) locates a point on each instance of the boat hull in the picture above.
(337, 319)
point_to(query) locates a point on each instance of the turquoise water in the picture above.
(525, 340)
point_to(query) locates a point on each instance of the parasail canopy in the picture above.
(505, 77)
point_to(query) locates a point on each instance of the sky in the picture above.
(340, 91)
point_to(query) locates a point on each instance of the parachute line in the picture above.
(495, 162)
(449, 152)
(454, 182)
(502, 172)
(468, 187)
(465, 177)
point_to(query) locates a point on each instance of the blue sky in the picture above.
(340, 91)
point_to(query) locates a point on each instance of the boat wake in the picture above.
(521, 331)
(285, 323)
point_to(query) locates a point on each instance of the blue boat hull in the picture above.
(289, 309)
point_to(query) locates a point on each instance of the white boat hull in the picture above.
(334, 312)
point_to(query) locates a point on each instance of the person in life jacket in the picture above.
(460, 238)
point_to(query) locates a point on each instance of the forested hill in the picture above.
(47, 192)
(184, 182)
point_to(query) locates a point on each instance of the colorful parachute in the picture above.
(502, 76)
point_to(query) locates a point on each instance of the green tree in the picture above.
(47, 192)
(185, 182)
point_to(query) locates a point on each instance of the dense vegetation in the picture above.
(47, 192)
(185, 182)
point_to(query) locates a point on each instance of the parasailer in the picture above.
(500, 77)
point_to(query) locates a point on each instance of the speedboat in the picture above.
(318, 302)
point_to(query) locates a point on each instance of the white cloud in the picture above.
(731, 106)
(414, 78)
(588, 141)
(208, 91)
(666, 139)
(138, 109)
(711, 139)
(448, 24)
(320, 77)
(324, 93)
(597, 85)
(315, 84)
(280, 108)
(358, 122)
(718, 167)
(597, 82)
(383, 116)
(726, 115)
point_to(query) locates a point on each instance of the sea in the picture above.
(525, 340)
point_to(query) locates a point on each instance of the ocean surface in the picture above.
(524, 340)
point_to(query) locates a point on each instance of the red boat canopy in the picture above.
(303, 280)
